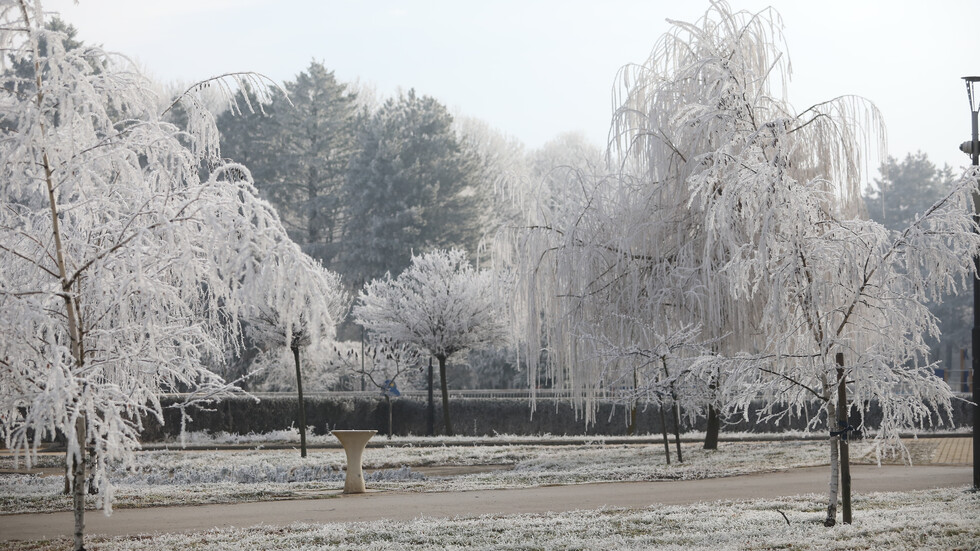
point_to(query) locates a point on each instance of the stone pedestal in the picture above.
(354, 442)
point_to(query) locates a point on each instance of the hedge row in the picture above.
(471, 417)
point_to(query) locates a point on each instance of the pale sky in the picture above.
(535, 69)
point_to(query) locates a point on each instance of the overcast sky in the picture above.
(534, 69)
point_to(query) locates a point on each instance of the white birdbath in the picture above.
(354, 442)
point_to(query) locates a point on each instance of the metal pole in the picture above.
(973, 149)
(975, 154)
(431, 417)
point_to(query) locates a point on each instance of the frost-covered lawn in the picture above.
(162, 477)
(934, 519)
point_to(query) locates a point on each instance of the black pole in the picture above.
(975, 157)
(972, 148)
(432, 408)
(302, 405)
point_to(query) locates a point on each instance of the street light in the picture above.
(972, 148)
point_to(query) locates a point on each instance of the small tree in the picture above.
(662, 368)
(296, 304)
(439, 304)
(382, 362)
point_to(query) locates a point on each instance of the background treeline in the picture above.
(362, 184)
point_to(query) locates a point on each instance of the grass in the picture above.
(934, 519)
(168, 477)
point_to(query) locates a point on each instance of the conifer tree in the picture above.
(412, 187)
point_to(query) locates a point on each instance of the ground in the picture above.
(945, 518)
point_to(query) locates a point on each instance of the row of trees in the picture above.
(729, 254)
(360, 190)
(133, 258)
(364, 187)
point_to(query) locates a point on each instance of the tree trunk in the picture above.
(362, 361)
(844, 427)
(714, 422)
(71, 312)
(78, 483)
(677, 431)
(834, 471)
(431, 417)
(711, 431)
(388, 400)
(445, 395)
(302, 404)
(663, 428)
(631, 428)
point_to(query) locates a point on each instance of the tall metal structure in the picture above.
(972, 148)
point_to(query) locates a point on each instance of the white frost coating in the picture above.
(733, 214)
(439, 304)
(292, 301)
(158, 263)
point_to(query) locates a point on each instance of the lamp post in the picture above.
(972, 148)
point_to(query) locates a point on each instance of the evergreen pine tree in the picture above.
(411, 187)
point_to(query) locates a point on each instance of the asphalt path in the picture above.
(411, 505)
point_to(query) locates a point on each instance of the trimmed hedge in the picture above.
(471, 417)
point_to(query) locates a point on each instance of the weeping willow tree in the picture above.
(736, 222)
(633, 251)
(693, 123)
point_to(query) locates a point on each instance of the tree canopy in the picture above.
(412, 187)
(439, 304)
(299, 151)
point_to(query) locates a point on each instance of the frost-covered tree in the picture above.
(411, 187)
(847, 315)
(294, 304)
(123, 271)
(903, 190)
(736, 214)
(838, 300)
(501, 168)
(439, 304)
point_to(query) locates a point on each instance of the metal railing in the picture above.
(423, 394)
(492, 393)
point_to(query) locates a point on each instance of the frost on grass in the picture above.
(187, 477)
(933, 519)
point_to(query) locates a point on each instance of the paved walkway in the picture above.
(932, 451)
(954, 451)
(407, 506)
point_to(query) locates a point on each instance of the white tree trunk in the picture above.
(71, 315)
(834, 470)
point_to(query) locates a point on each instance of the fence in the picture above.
(474, 413)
